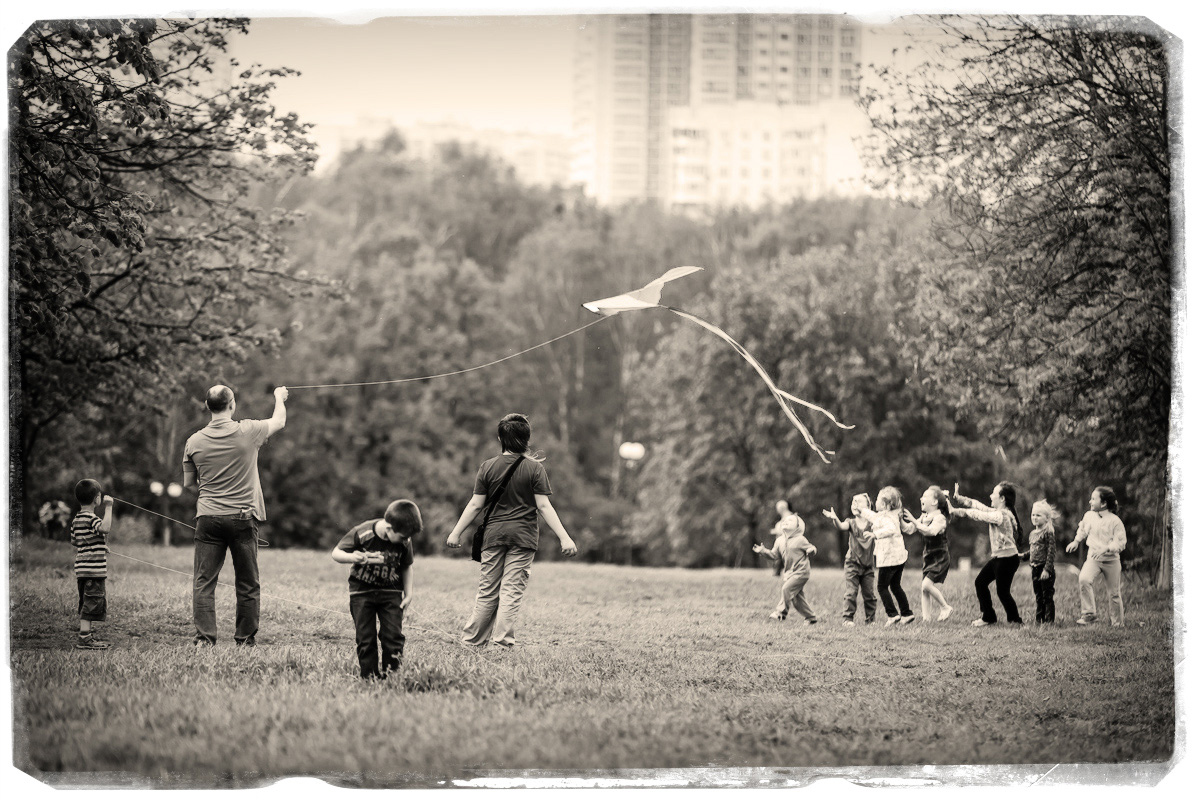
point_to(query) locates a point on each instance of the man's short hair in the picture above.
(219, 398)
(404, 517)
(86, 491)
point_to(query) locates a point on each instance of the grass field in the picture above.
(616, 668)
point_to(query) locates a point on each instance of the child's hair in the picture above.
(1108, 498)
(789, 524)
(404, 517)
(1049, 510)
(889, 498)
(787, 503)
(943, 503)
(1008, 493)
(514, 432)
(86, 491)
(861, 501)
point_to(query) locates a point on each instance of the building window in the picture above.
(825, 22)
(805, 72)
(825, 40)
(846, 57)
(783, 69)
(847, 74)
(825, 73)
(846, 89)
(803, 38)
(783, 37)
(847, 40)
(825, 56)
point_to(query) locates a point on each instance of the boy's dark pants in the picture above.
(1001, 570)
(93, 606)
(859, 577)
(365, 608)
(215, 535)
(1043, 592)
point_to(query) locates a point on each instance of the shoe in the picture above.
(891, 621)
(1118, 624)
(1084, 621)
(200, 641)
(813, 621)
(907, 620)
(981, 624)
(848, 623)
(90, 642)
(247, 642)
(945, 615)
(780, 617)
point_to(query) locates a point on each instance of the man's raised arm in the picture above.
(279, 418)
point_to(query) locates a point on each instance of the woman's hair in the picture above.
(889, 498)
(514, 431)
(1008, 493)
(1108, 498)
(861, 501)
(1052, 513)
(404, 517)
(943, 503)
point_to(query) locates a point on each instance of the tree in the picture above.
(720, 451)
(137, 253)
(1047, 312)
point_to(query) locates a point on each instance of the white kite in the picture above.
(648, 297)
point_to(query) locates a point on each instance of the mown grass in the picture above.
(616, 668)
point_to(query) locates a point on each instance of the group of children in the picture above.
(380, 552)
(876, 555)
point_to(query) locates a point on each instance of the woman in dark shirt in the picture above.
(511, 538)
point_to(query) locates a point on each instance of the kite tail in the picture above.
(780, 396)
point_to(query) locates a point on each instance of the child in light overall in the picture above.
(859, 568)
(1041, 557)
(935, 516)
(1105, 536)
(890, 553)
(795, 550)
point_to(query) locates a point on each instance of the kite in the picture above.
(648, 297)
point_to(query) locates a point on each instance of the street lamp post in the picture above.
(631, 453)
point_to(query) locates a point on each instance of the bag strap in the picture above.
(494, 500)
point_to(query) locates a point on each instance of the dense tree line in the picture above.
(961, 346)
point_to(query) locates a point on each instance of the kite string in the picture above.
(261, 541)
(455, 372)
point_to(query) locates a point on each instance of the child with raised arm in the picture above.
(1104, 533)
(1004, 530)
(859, 568)
(1041, 557)
(795, 550)
(380, 583)
(89, 535)
(935, 516)
(890, 553)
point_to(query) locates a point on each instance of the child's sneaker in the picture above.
(777, 616)
(891, 621)
(812, 621)
(1084, 621)
(87, 641)
(848, 623)
(907, 620)
(979, 623)
(945, 615)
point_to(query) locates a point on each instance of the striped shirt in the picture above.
(91, 547)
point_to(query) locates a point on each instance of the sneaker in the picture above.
(848, 623)
(813, 621)
(891, 621)
(200, 641)
(87, 641)
(1084, 621)
(247, 642)
(981, 624)
(778, 616)
(907, 620)
(945, 615)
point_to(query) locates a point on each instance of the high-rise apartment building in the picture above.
(635, 72)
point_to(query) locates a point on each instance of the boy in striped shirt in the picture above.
(89, 536)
